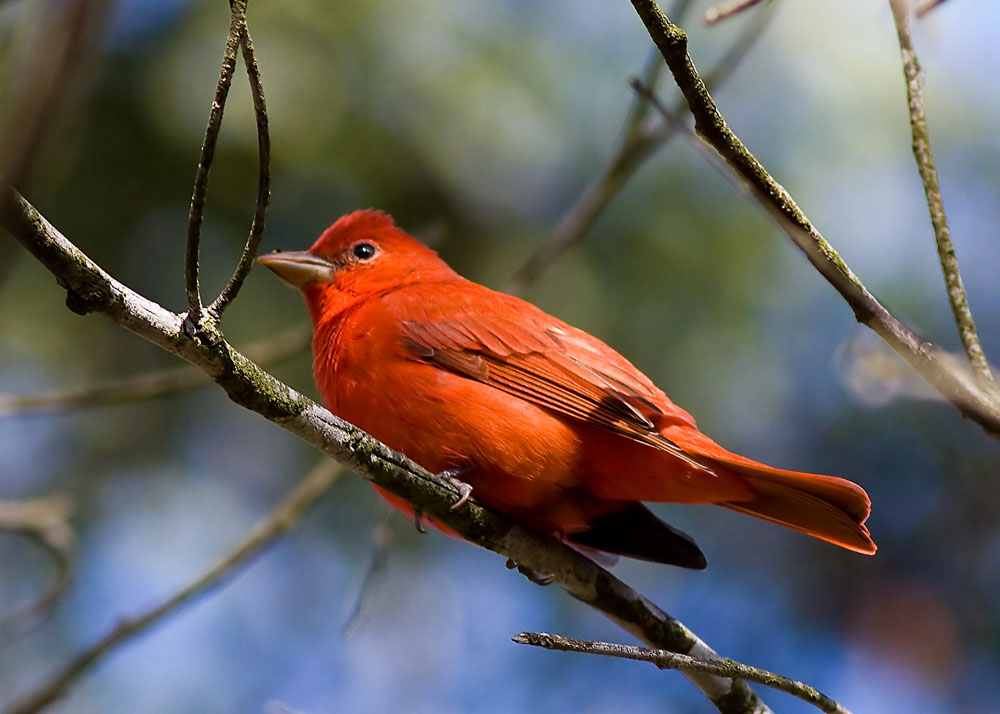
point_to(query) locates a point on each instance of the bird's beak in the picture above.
(299, 269)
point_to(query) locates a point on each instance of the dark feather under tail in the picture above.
(636, 533)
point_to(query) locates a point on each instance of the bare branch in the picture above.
(281, 520)
(957, 297)
(150, 385)
(91, 289)
(957, 385)
(263, 177)
(641, 138)
(46, 522)
(672, 660)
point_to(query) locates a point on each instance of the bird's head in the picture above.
(360, 255)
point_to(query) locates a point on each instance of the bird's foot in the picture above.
(464, 492)
(418, 520)
(532, 575)
(464, 489)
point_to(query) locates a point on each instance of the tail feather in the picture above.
(832, 509)
(826, 507)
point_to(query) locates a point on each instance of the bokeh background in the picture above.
(477, 124)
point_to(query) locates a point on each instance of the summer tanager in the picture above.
(545, 422)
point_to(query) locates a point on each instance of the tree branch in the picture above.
(928, 175)
(91, 289)
(672, 660)
(281, 520)
(957, 385)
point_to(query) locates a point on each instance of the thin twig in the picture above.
(263, 176)
(196, 215)
(928, 175)
(282, 519)
(671, 660)
(149, 385)
(638, 112)
(752, 31)
(719, 13)
(46, 522)
(958, 386)
(249, 386)
(641, 138)
(381, 539)
(58, 54)
(711, 157)
(674, 120)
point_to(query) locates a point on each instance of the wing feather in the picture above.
(549, 367)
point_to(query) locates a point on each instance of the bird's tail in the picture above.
(826, 507)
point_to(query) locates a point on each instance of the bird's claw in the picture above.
(464, 489)
(464, 492)
(532, 575)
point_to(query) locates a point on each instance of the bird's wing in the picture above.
(553, 365)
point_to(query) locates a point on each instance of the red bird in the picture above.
(546, 423)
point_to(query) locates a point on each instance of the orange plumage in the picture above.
(545, 422)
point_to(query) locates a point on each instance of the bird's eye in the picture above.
(364, 251)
